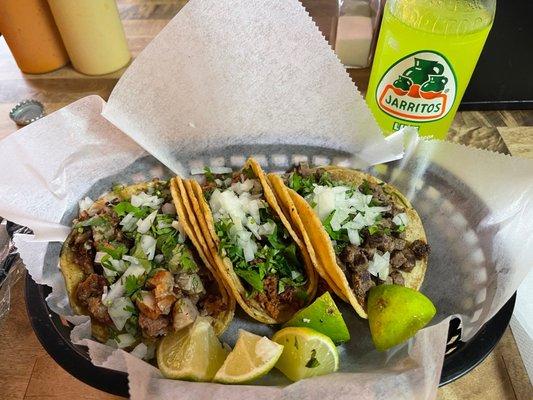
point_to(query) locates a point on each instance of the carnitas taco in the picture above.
(363, 231)
(253, 244)
(130, 264)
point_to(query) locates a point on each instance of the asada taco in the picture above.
(363, 231)
(252, 243)
(131, 264)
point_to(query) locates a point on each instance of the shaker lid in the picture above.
(26, 112)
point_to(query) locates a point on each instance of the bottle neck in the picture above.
(448, 17)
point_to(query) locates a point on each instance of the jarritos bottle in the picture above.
(425, 56)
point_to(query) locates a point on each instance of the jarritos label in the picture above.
(419, 88)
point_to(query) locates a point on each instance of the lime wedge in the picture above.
(395, 313)
(306, 353)
(252, 357)
(323, 316)
(193, 353)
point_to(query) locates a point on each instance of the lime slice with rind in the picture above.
(193, 353)
(323, 316)
(253, 357)
(396, 313)
(306, 353)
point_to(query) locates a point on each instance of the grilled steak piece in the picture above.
(212, 304)
(269, 298)
(397, 278)
(83, 250)
(361, 283)
(152, 328)
(420, 249)
(98, 310)
(92, 286)
(381, 242)
(409, 262)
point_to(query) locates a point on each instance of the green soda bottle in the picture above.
(425, 56)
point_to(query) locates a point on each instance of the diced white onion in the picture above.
(169, 209)
(379, 265)
(400, 219)
(144, 225)
(143, 199)
(85, 204)
(118, 288)
(191, 283)
(118, 311)
(354, 237)
(140, 351)
(130, 259)
(128, 222)
(125, 340)
(98, 256)
(159, 258)
(148, 246)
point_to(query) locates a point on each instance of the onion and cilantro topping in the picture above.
(260, 248)
(144, 267)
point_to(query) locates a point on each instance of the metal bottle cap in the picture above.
(26, 112)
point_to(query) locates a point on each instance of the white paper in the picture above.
(75, 152)
(224, 72)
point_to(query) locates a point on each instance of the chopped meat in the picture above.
(397, 259)
(341, 264)
(152, 328)
(269, 297)
(380, 242)
(98, 310)
(369, 252)
(399, 244)
(420, 249)
(353, 256)
(397, 278)
(147, 305)
(409, 262)
(212, 305)
(301, 169)
(361, 283)
(83, 250)
(92, 286)
(162, 283)
(290, 296)
(184, 313)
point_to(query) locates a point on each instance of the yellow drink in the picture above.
(425, 56)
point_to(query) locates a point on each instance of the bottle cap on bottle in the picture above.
(26, 112)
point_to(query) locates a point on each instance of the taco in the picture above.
(252, 243)
(363, 231)
(131, 264)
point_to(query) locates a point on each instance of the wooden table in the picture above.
(27, 371)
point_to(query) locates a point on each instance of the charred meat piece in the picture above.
(212, 305)
(381, 242)
(92, 286)
(361, 283)
(420, 249)
(399, 244)
(98, 310)
(409, 262)
(353, 256)
(290, 296)
(397, 278)
(269, 297)
(147, 304)
(83, 250)
(152, 328)
(397, 259)
(162, 283)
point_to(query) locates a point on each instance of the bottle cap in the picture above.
(26, 112)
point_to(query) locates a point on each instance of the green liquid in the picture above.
(424, 59)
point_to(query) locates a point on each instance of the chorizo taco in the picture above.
(131, 264)
(363, 231)
(252, 243)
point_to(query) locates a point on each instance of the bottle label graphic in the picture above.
(418, 88)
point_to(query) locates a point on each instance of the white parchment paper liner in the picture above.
(199, 109)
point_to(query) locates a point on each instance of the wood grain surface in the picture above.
(28, 372)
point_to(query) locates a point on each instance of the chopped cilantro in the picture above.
(209, 176)
(114, 249)
(133, 285)
(252, 277)
(365, 188)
